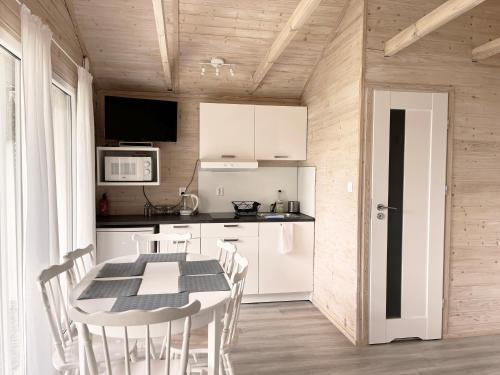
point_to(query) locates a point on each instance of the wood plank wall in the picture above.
(177, 159)
(444, 58)
(333, 96)
(54, 14)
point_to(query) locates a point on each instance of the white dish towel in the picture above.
(286, 238)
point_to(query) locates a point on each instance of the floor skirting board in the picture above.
(282, 297)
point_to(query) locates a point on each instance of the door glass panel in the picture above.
(395, 213)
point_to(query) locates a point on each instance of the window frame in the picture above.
(64, 86)
(13, 46)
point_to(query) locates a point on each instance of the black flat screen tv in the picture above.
(140, 120)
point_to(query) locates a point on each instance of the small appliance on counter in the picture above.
(293, 207)
(189, 204)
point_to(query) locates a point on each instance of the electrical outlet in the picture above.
(350, 187)
(219, 191)
(182, 190)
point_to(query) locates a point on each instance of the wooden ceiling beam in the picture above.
(427, 24)
(166, 60)
(298, 18)
(486, 50)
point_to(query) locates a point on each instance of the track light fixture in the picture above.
(217, 64)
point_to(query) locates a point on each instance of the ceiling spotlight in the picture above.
(217, 64)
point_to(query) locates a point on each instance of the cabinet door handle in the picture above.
(181, 226)
(281, 156)
(228, 156)
(230, 240)
(178, 242)
(231, 225)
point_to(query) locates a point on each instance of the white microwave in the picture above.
(128, 168)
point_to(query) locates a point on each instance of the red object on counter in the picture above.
(104, 205)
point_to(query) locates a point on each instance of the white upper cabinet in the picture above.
(280, 133)
(227, 131)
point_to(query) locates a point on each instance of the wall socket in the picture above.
(219, 191)
(182, 190)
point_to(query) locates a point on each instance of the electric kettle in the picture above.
(189, 204)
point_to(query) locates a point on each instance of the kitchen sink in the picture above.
(276, 215)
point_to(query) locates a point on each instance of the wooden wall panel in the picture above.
(177, 159)
(54, 14)
(444, 58)
(333, 96)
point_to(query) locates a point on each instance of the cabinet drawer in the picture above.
(193, 246)
(247, 247)
(229, 230)
(194, 229)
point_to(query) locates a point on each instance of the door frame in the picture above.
(365, 198)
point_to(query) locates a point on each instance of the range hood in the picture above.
(228, 166)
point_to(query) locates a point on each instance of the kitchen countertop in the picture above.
(141, 220)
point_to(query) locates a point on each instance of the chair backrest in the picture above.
(134, 318)
(61, 329)
(229, 333)
(83, 261)
(227, 250)
(170, 243)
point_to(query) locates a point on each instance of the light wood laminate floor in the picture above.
(295, 338)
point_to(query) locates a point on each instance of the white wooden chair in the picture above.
(227, 250)
(62, 329)
(170, 243)
(230, 323)
(137, 318)
(83, 261)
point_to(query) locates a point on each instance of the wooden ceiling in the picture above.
(122, 42)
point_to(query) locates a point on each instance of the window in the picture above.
(11, 309)
(63, 119)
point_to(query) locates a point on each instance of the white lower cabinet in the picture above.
(286, 273)
(269, 272)
(247, 247)
(117, 242)
(193, 245)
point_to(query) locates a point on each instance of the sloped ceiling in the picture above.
(121, 39)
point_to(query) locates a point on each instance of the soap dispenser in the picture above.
(279, 205)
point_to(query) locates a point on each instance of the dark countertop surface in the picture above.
(221, 217)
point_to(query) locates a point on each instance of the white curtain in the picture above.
(11, 329)
(39, 185)
(85, 162)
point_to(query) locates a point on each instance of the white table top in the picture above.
(158, 278)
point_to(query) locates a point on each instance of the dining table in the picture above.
(158, 278)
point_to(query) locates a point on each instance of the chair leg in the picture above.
(229, 365)
(222, 365)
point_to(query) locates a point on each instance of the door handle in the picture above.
(230, 240)
(382, 207)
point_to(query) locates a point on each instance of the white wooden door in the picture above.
(280, 132)
(407, 215)
(286, 273)
(247, 247)
(227, 131)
